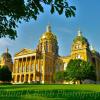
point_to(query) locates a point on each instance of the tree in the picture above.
(5, 74)
(13, 11)
(59, 76)
(79, 70)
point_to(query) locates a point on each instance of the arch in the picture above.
(27, 77)
(13, 78)
(31, 77)
(22, 78)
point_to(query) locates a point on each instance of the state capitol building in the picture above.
(41, 64)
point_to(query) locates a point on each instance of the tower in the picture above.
(80, 47)
(6, 59)
(48, 48)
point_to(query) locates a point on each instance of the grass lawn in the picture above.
(50, 92)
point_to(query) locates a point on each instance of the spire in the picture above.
(92, 48)
(7, 50)
(48, 28)
(79, 33)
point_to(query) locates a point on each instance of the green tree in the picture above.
(59, 76)
(5, 74)
(13, 11)
(79, 70)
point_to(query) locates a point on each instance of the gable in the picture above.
(24, 52)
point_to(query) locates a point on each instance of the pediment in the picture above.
(24, 52)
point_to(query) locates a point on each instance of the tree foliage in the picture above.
(5, 74)
(12, 11)
(59, 76)
(79, 70)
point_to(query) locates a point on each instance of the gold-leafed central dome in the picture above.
(48, 35)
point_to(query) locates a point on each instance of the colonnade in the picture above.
(27, 69)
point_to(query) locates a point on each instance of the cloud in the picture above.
(4, 42)
(65, 30)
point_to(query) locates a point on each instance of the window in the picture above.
(65, 66)
(78, 46)
(78, 57)
(42, 47)
(46, 46)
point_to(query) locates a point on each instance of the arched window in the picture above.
(65, 66)
(78, 46)
(78, 57)
(43, 48)
(46, 46)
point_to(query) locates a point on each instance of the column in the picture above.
(32, 65)
(39, 69)
(26, 65)
(16, 65)
(22, 66)
(24, 77)
(34, 74)
(20, 78)
(20, 71)
(29, 77)
(43, 69)
(25, 70)
(29, 63)
(19, 67)
(16, 69)
(15, 80)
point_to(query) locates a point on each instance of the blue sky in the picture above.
(87, 19)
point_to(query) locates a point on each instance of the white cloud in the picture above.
(65, 30)
(4, 42)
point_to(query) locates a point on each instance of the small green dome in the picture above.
(81, 38)
(5, 55)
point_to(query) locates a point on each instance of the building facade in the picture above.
(40, 65)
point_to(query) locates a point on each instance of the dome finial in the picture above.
(7, 50)
(92, 48)
(48, 29)
(79, 33)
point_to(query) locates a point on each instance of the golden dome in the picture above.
(48, 35)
